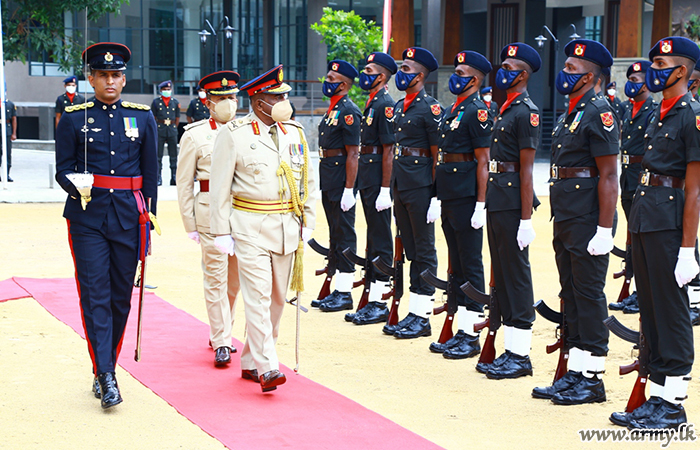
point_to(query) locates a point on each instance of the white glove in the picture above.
(383, 199)
(526, 234)
(686, 267)
(347, 201)
(306, 234)
(225, 243)
(194, 236)
(433, 210)
(479, 216)
(602, 242)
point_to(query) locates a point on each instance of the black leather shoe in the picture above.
(406, 321)
(109, 389)
(316, 303)
(437, 347)
(632, 308)
(349, 317)
(96, 388)
(172, 182)
(251, 375)
(466, 348)
(9, 178)
(569, 380)
(588, 390)
(695, 316)
(665, 415)
(417, 328)
(645, 410)
(341, 302)
(160, 180)
(270, 380)
(513, 366)
(619, 306)
(374, 312)
(484, 367)
(222, 356)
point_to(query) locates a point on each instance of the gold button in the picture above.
(370, 160)
(91, 139)
(257, 171)
(670, 197)
(629, 137)
(114, 106)
(112, 172)
(503, 129)
(551, 183)
(321, 133)
(111, 190)
(403, 115)
(336, 163)
(660, 123)
(577, 186)
(112, 152)
(400, 130)
(442, 135)
(624, 151)
(640, 127)
(645, 136)
(133, 139)
(409, 120)
(510, 184)
(104, 106)
(642, 193)
(491, 179)
(111, 133)
(500, 118)
(110, 116)
(454, 170)
(559, 146)
(649, 147)
(495, 140)
(666, 135)
(415, 162)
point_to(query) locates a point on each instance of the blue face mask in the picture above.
(329, 88)
(565, 82)
(404, 80)
(690, 83)
(505, 78)
(632, 89)
(657, 78)
(367, 81)
(458, 84)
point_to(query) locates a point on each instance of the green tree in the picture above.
(349, 37)
(38, 26)
(692, 27)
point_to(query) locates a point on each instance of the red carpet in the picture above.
(176, 364)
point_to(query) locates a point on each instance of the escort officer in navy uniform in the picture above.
(583, 195)
(460, 184)
(339, 142)
(694, 286)
(105, 236)
(634, 125)
(510, 200)
(617, 104)
(374, 178)
(416, 207)
(68, 98)
(198, 110)
(166, 110)
(664, 227)
(487, 97)
(694, 82)
(10, 133)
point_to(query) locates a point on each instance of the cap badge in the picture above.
(410, 52)
(108, 57)
(460, 58)
(666, 47)
(335, 66)
(370, 58)
(580, 50)
(637, 67)
(280, 76)
(224, 82)
(512, 50)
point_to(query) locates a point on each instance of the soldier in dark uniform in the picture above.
(68, 98)
(10, 133)
(664, 227)
(583, 194)
(510, 200)
(198, 109)
(617, 104)
(634, 125)
(487, 97)
(166, 110)
(373, 178)
(460, 183)
(416, 208)
(339, 142)
(108, 235)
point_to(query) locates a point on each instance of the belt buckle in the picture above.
(440, 157)
(625, 159)
(320, 152)
(493, 166)
(398, 150)
(167, 122)
(554, 172)
(645, 179)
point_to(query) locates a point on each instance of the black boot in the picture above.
(466, 348)
(406, 321)
(514, 366)
(695, 316)
(172, 181)
(665, 415)
(619, 306)
(437, 347)
(588, 390)
(646, 409)
(631, 307)
(484, 367)
(109, 389)
(418, 327)
(160, 180)
(316, 303)
(374, 312)
(569, 380)
(96, 388)
(341, 302)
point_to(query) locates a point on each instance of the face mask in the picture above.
(611, 92)
(330, 88)
(202, 94)
(633, 89)
(281, 111)
(505, 78)
(166, 93)
(656, 79)
(225, 110)
(70, 89)
(487, 98)
(565, 81)
(458, 84)
(404, 80)
(367, 81)
(690, 83)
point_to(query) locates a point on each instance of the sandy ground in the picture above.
(45, 375)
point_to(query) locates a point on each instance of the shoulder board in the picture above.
(79, 107)
(136, 106)
(477, 103)
(237, 123)
(194, 124)
(695, 106)
(528, 101)
(294, 123)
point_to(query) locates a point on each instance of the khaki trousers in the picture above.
(220, 289)
(264, 277)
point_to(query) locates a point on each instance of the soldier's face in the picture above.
(108, 85)
(212, 100)
(577, 65)
(267, 101)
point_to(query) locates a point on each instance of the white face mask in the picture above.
(281, 111)
(611, 92)
(202, 94)
(225, 110)
(487, 98)
(70, 89)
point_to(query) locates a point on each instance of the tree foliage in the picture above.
(692, 27)
(38, 26)
(349, 37)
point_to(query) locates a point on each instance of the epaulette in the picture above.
(293, 122)
(530, 104)
(235, 124)
(136, 106)
(79, 106)
(695, 106)
(601, 103)
(195, 124)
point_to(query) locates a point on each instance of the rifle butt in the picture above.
(562, 365)
(488, 351)
(394, 312)
(446, 333)
(625, 291)
(637, 397)
(364, 299)
(326, 288)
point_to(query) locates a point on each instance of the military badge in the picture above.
(512, 50)
(460, 58)
(455, 123)
(131, 129)
(637, 67)
(349, 119)
(580, 50)
(607, 119)
(482, 115)
(280, 76)
(256, 128)
(109, 57)
(335, 66)
(697, 122)
(224, 82)
(436, 110)
(370, 117)
(389, 112)
(534, 119)
(666, 46)
(91, 120)
(410, 52)
(370, 58)
(282, 128)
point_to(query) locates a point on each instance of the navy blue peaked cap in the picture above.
(589, 50)
(486, 90)
(639, 66)
(70, 79)
(344, 68)
(675, 46)
(422, 57)
(383, 60)
(107, 56)
(523, 52)
(473, 59)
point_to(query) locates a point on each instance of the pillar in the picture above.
(401, 27)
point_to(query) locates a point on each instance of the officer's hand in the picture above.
(433, 210)
(686, 267)
(479, 216)
(526, 234)
(13, 137)
(225, 243)
(306, 234)
(383, 199)
(348, 199)
(602, 242)
(194, 236)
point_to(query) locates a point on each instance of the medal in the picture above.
(131, 129)
(297, 153)
(577, 120)
(456, 121)
(370, 117)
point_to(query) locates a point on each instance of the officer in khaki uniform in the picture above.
(263, 161)
(194, 163)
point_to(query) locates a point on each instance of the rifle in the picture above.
(367, 266)
(625, 291)
(396, 274)
(323, 251)
(493, 321)
(641, 364)
(450, 306)
(561, 333)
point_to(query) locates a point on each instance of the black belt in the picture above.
(500, 166)
(560, 173)
(330, 152)
(632, 159)
(413, 151)
(455, 157)
(654, 179)
(167, 122)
